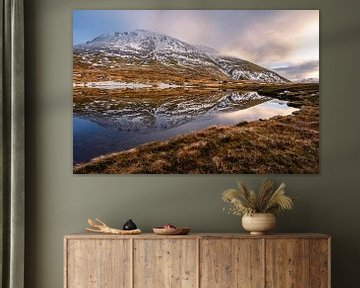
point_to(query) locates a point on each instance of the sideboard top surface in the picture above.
(86, 235)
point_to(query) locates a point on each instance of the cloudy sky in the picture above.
(286, 41)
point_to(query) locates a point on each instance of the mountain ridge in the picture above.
(145, 47)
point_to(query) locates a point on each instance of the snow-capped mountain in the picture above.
(143, 47)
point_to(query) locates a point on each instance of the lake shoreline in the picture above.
(280, 145)
(111, 130)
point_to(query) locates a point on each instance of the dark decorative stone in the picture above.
(129, 225)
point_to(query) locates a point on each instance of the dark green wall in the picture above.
(59, 203)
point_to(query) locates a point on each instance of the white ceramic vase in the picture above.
(259, 223)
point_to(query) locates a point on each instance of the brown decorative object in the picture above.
(101, 227)
(171, 231)
(259, 223)
(197, 260)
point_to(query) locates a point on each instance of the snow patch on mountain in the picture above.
(116, 85)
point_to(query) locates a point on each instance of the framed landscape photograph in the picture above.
(196, 92)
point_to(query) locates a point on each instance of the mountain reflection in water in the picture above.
(113, 124)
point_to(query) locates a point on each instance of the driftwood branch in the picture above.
(101, 227)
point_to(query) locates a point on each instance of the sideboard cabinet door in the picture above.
(287, 263)
(98, 263)
(320, 263)
(297, 263)
(165, 263)
(231, 263)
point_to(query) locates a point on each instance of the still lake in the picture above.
(106, 125)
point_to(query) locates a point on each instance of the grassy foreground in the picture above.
(280, 145)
